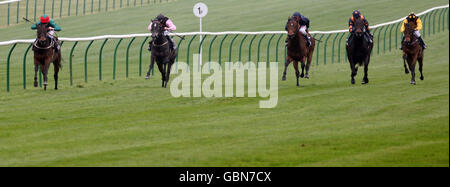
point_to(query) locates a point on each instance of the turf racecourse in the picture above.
(325, 122)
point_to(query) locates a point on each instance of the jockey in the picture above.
(418, 26)
(351, 23)
(304, 26)
(168, 27)
(52, 27)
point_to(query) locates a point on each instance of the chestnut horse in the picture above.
(298, 51)
(412, 52)
(44, 54)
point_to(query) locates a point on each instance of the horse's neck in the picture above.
(160, 40)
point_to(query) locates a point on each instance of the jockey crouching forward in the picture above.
(304, 26)
(168, 27)
(52, 27)
(351, 24)
(417, 27)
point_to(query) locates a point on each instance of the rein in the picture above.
(35, 44)
(165, 43)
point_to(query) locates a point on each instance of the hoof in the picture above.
(283, 78)
(302, 75)
(413, 82)
(353, 81)
(35, 84)
(307, 76)
(147, 77)
(422, 78)
(365, 81)
(406, 72)
(56, 88)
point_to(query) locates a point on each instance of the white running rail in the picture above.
(9, 1)
(209, 33)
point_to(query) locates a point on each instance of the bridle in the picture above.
(158, 34)
(411, 35)
(296, 30)
(36, 42)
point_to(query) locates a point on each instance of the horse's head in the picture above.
(409, 33)
(157, 29)
(359, 27)
(42, 30)
(292, 27)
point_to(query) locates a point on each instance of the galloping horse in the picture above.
(359, 50)
(44, 54)
(161, 53)
(412, 52)
(297, 50)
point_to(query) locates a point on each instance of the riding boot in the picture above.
(56, 44)
(370, 37)
(422, 43)
(172, 43)
(308, 40)
(349, 39)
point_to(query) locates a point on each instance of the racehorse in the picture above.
(298, 51)
(44, 54)
(359, 50)
(412, 52)
(161, 53)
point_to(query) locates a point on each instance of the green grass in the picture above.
(325, 122)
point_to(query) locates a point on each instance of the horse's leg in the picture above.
(297, 72)
(36, 68)
(164, 74)
(309, 60)
(286, 65)
(303, 69)
(354, 71)
(56, 68)
(421, 67)
(412, 68)
(366, 69)
(404, 64)
(168, 74)
(152, 63)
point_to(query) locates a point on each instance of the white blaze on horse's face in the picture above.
(291, 28)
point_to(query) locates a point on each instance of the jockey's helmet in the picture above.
(412, 17)
(356, 14)
(45, 19)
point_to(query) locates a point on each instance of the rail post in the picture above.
(25, 67)
(7, 66)
(140, 56)
(318, 49)
(189, 49)
(128, 52)
(115, 58)
(325, 49)
(100, 65)
(220, 49)
(70, 62)
(85, 61)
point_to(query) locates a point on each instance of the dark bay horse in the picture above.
(161, 53)
(412, 52)
(44, 54)
(298, 51)
(359, 50)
